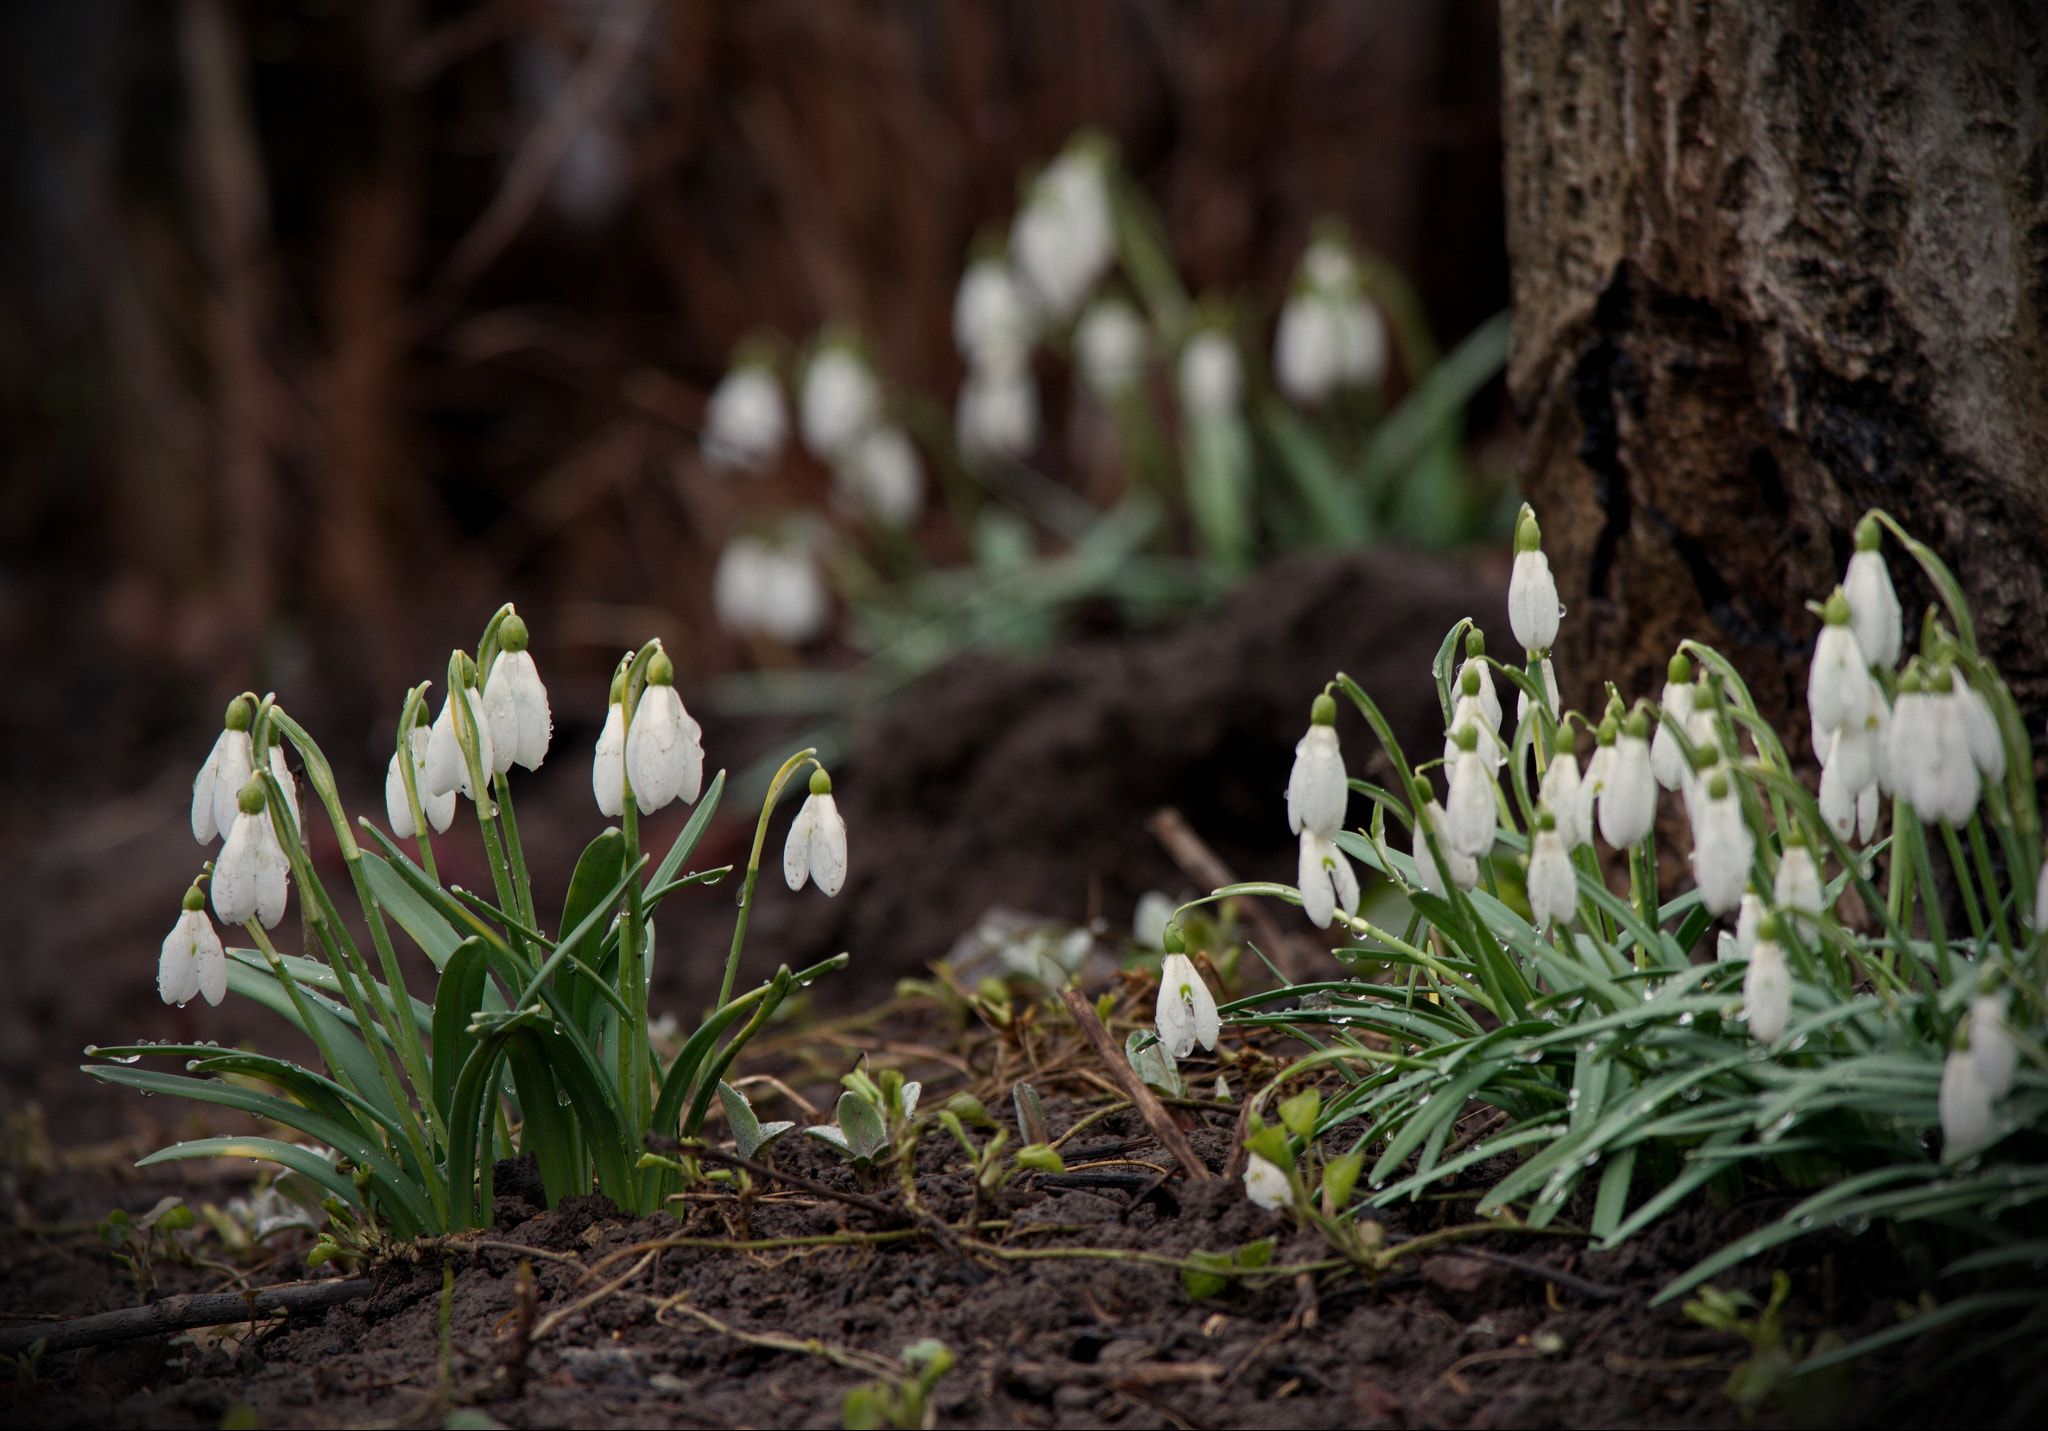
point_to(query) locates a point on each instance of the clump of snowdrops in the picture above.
(1806, 1016)
(1254, 454)
(531, 1042)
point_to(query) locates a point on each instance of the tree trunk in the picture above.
(1774, 265)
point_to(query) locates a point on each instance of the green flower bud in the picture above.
(1528, 536)
(660, 670)
(466, 664)
(1704, 756)
(1323, 710)
(1609, 729)
(1467, 738)
(821, 783)
(1718, 786)
(1470, 684)
(1173, 941)
(1913, 682)
(1637, 726)
(1475, 643)
(1679, 672)
(253, 797)
(512, 634)
(1423, 794)
(1545, 820)
(1767, 928)
(1943, 680)
(1869, 536)
(618, 692)
(1836, 612)
(239, 715)
(195, 898)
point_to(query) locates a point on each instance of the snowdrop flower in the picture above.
(516, 703)
(1798, 883)
(816, 847)
(1308, 348)
(1838, 685)
(880, 475)
(1325, 879)
(1560, 794)
(1980, 728)
(223, 774)
(250, 877)
(1430, 817)
(608, 770)
(1944, 775)
(1599, 771)
(746, 422)
(1470, 712)
(1767, 987)
(841, 401)
(1910, 728)
(1475, 662)
(1469, 807)
(1964, 1103)
(991, 316)
(287, 785)
(998, 412)
(1667, 758)
(1533, 610)
(1063, 238)
(1151, 918)
(1723, 848)
(193, 961)
(1628, 801)
(1186, 1014)
(1363, 343)
(1750, 916)
(439, 809)
(1265, 1184)
(769, 588)
(1111, 341)
(1317, 794)
(1553, 885)
(1873, 605)
(447, 765)
(664, 753)
(1991, 1045)
(1549, 691)
(1211, 378)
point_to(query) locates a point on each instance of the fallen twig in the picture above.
(1133, 1088)
(178, 1314)
(1571, 1282)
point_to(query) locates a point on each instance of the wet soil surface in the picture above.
(660, 1321)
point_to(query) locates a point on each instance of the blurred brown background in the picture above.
(329, 326)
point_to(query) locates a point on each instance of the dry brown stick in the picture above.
(1201, 864)
(1240, 1155)
(1133, 1087)
(177, 1314)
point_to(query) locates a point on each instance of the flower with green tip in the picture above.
(1767, 986)
(439, 809)
(222, 776)
(516, 703)
(1533, 609)
(250, 879)
(816, 847)
(1873, 604)
(1722, 846)
(1628, 800)
(1186, 1012)
(1326, 880)
(1265, 1183)
(193, 961)
(664, 746)
(1317, 791)
(447, 767)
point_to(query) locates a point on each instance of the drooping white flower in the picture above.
(771, 588)
(1211, 378)
(1723, 847)
(746, 422)
(250, 879)
(287, 785)
(991, 316)
(516, 683)
(447, 767)
(1464, 872)
(1533, 609)
(1308, 348)
(1470, 714)
(1549, 691)
(1362, 335)
(998, 412)
(1111, 342)
(1980, 729)
(841, 401)
(223, 774)
(816, 847)
(1470, 806)
(1063, 238)
(193, 961)
(1553, 884)
(1747, 919)
(1628, 803)
(664, 750)
(1946, 784)
(1326, 880)
(1560, 794)
(1873, 604)
(608, 770)
(1964, 1103)
(1265, 1184)
(1599, 771)
(1667, 758)
(1186, 1012)
(1480, 681)
(1867, 811)
(1991, 1045)
(1908, 734)
(1150, 919)
(1798, 882)
(1838, 684)
(439, 809)
(1317, 794)
(1767, 986)
(880, 475)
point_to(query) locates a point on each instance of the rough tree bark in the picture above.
(1773, 265)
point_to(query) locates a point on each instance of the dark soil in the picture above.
(1446, 1339)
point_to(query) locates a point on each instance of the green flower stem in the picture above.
(1965, 882)
(407, 721)
(480, 784)
(1937, 932)
(739, 932)
(635, 1097)
(1898, 894)
(521, 879)
(1642, 879)
(1990, 883)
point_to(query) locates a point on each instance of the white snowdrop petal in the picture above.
(1991, 1046)
(229, 776)
(1307, 349)
(1723, 849)
(1211, 378)
(1980, 728)
(1469, 808)
(1767, 992)
(1838, 686)
(445, 770)
(840, 401)
(1533, 611)
(397, 810)
(1873, 608)
(1667, 760)
(204, 825)
(501, 716)
(1560, 793)
(1798, 882)
(1553, 886)
(1628, 804)
(1312, 878)
(796, 848)
(608, 770)
(745, 422)
(1317, 792)
(177, 970)
(1111, 341)
(1173, 1016)
(210, 960)
(234, 873)
(657, 750)
(1867, 811)
(1747, 921)
(1964, 1103)
(828, 846)
(1264, 1183)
